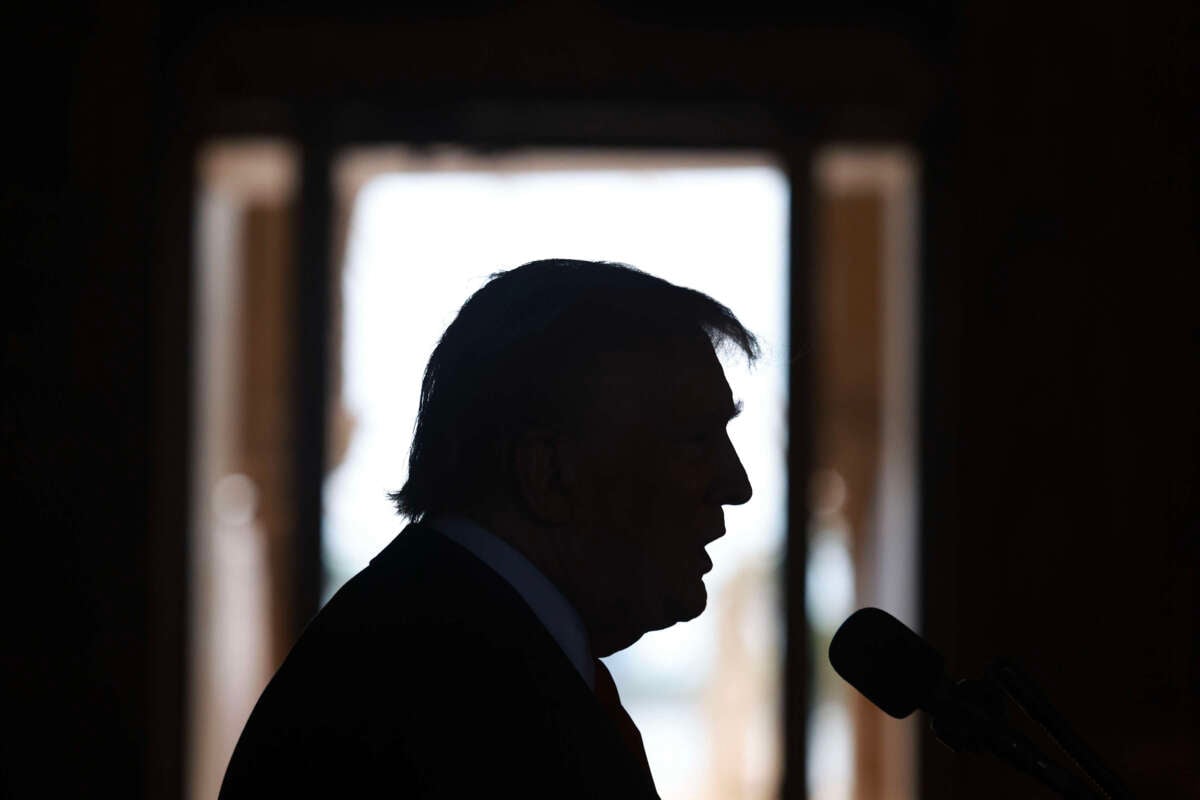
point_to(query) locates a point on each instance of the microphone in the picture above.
(881, 657)
(900, 672)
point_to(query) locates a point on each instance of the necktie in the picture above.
(610, 701)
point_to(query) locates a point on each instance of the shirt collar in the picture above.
(545, 600)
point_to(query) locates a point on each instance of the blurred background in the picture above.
(967, 236)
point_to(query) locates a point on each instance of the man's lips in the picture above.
(715, 533)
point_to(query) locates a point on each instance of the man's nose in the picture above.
(733, 486)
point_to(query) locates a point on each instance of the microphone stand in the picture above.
(968, 716)
(1032, 700)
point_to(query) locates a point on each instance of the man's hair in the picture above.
(517, 356)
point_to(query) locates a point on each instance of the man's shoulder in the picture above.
(424, 662)
(416, 630)
(423, 606)
(419, 583)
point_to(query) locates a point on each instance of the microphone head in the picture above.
(883, 659)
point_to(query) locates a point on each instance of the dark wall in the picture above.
(76, 422)
(1062, 410)
(1060, 254)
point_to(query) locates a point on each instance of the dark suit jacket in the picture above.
(426, 675)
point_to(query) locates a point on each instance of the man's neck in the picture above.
(551, 550)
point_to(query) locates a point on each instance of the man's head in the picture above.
(579, 410)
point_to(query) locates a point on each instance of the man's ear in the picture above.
(545, 475)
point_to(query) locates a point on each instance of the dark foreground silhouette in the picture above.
(426, 675)
(569, 464)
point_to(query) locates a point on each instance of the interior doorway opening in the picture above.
(414, 231)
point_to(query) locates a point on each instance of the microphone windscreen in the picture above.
(881, 657)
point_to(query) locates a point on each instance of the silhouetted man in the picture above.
(570, 463)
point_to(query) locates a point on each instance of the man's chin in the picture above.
(690, 606)
(681, 607)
